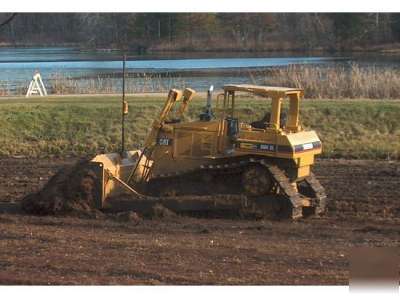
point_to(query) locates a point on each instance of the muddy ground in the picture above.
(364, 210)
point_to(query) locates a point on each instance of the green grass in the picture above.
(83, 126)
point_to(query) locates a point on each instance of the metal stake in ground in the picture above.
(124, 108)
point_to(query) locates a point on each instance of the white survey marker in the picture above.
(36, 86)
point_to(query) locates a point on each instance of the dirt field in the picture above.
(364, 211)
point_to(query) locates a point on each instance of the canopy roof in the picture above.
(267, 91)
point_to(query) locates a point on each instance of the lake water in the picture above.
(17, 65)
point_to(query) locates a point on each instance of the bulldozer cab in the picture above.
(274, 120)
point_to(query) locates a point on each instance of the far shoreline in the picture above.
(391, 48)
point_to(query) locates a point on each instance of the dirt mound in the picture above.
(68, 191)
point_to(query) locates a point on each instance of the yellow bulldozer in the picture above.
(215, 162)
(218, 157)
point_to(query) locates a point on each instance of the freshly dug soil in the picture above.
(68, 191)
(364, 210)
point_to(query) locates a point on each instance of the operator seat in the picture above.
(263, 123)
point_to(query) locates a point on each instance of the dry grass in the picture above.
(60, 84)
(135, 83)
(338, 81)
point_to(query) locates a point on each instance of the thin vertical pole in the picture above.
(122, 109)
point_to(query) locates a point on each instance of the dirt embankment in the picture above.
(68, 191)
(364, 210)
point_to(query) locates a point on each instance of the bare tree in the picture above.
(7, 20)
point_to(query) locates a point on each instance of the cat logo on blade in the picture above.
(164, 141)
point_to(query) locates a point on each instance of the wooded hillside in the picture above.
(204, 31)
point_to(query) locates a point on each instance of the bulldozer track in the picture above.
(285, 187)
(320, 194)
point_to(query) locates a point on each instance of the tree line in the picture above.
(203, 31)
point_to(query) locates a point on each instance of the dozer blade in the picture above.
(112, 174)
(86, 185)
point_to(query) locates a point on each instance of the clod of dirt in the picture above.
(368, 229)
(204, 231)
(160, 211)
(128, 216)
(69, 191)
(257, 227)
(197, 228)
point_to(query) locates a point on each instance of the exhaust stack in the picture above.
(208, 114)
